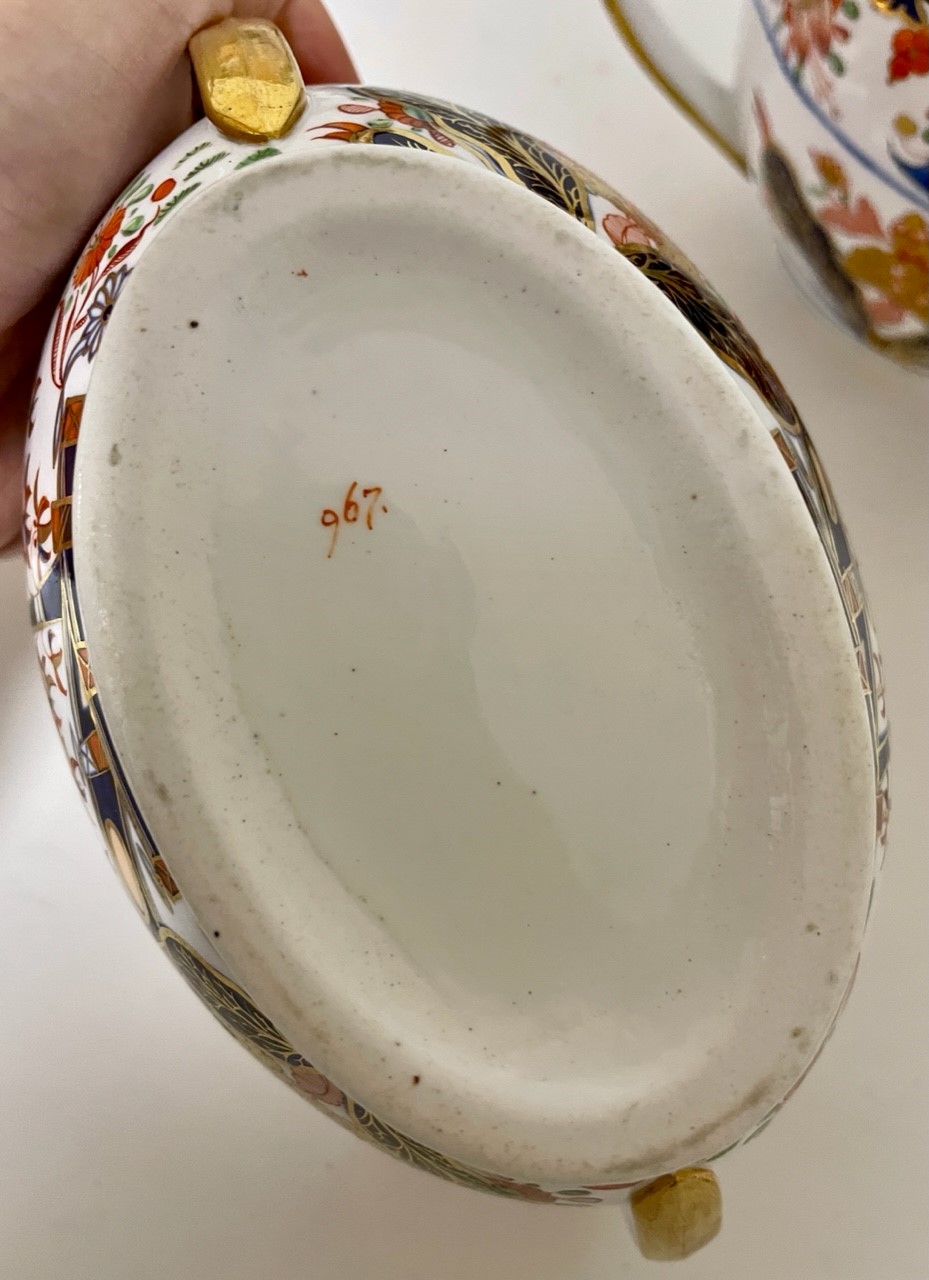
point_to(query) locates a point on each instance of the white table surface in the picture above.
(138, 1141)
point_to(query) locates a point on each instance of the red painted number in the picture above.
(351, 510)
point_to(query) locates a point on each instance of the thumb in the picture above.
(313, 36)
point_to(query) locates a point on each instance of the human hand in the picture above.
(90, 90)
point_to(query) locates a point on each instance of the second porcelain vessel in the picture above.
(829, 114)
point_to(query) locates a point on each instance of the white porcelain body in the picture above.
(683, 456)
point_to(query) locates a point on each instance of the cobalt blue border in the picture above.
(888, 178)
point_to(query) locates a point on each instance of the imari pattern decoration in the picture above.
(202, 158)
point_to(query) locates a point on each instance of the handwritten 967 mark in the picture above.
(352, 511)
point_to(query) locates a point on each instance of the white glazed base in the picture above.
(539, 813)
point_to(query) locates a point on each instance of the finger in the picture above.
(157, 106)
(317, 45)
(14, 409)
(19, 356)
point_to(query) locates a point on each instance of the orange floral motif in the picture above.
(829, 169)
(400, 113)
(342, 130)
(625, 230)
(812, 27)
(812, 32)
(37, 519)
(403, 114)
(76, 772)
(894, 267)
(100, 241)
(54, 657)
(900, 272)
(315, 1085)
(909, 54)
(163, 190)
(855, 218)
